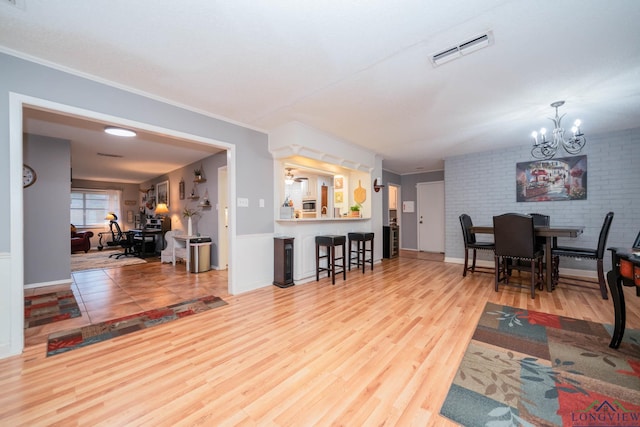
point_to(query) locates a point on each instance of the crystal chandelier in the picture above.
(546, 149)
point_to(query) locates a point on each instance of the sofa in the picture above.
(80, 241)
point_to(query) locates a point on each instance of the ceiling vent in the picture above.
(119, 156)
(463, 48)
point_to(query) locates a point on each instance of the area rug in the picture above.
(64, 341)
(100, 259)
(525, 368)
(48, 308)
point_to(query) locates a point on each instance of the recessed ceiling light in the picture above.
(112, 130)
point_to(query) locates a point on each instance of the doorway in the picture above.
(17, 261)
(431, 220)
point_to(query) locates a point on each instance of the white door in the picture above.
(223, 219)
(431, 216)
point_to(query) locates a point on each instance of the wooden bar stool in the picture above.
(361, 239)
(330, 242)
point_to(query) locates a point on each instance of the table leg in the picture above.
(188, 255)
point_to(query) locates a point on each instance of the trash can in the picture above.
(200, 255)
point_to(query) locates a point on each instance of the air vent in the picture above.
(110, 155)
(463, 48)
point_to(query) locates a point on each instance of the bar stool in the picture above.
(330, 242)
(361, 239)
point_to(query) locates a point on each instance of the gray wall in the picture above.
(409, 221)
(484, 185)
(206, 222)
(254, 164)
(46, 210)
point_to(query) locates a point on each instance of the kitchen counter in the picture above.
(341, 219)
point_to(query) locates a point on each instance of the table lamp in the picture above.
(162, 209)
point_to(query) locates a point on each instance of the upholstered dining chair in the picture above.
(538, 220)
(585, 253)
(515, 240)
(470, 243)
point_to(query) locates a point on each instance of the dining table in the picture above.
(549, 232)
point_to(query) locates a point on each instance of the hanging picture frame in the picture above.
(181, 188)
(551, 180)
(162, 192)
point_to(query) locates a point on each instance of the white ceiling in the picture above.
(356, 69)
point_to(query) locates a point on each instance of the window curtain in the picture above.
(114, 197)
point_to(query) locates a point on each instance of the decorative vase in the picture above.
(189, 227)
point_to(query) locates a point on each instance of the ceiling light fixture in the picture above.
(546, 149)
(288, 177)
(112, 130)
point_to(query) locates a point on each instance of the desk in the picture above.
(186, 242)
(142, 234)
(616, 281)
(549, 233)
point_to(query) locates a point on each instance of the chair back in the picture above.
(168, 238)
(514, 236)
(116, 235)
(467, 235)
(540, 219)
(604, 233)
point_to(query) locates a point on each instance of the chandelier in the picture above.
(544, 148)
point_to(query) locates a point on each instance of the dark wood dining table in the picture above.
(549, 233)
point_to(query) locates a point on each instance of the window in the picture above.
(89, 207)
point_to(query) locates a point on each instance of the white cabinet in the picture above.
(310, 188)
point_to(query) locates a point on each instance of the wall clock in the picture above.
(28, 176)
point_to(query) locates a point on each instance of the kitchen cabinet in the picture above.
(309, 188)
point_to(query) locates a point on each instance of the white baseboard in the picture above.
(45, 284)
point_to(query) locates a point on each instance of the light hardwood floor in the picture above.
(379, 348)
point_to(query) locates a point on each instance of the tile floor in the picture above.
(104, 294)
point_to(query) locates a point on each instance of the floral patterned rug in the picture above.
(61, 342)
(48, 308)
(525, 368)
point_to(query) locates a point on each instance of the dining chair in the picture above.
(516, 249)
(470, 243)
(584, 253)
(541, 220)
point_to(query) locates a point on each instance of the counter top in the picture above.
(342, 219)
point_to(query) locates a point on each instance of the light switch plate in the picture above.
(261, 203)
(243, 202)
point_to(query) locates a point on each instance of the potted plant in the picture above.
(197, 172)
(355, 210)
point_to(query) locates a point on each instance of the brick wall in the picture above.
(483, 185)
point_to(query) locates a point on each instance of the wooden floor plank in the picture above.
(380, 347)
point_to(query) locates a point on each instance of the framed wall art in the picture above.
(162, 192)
(181, 189)
(552, 180)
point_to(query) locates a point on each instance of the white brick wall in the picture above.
(483, 185)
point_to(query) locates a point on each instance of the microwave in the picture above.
(308, 206)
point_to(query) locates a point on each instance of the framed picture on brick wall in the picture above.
(552, 180)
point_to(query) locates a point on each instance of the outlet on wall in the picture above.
(243, 202)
